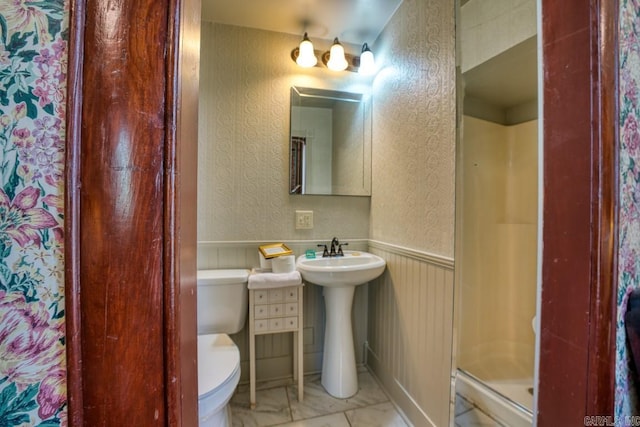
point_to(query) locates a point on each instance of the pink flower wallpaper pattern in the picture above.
(626, 400)
(33, 68)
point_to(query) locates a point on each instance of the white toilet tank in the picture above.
(223, 301)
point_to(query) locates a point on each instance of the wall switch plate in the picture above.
(304, 220)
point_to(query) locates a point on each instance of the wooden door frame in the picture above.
(580, 231)
(162, 151)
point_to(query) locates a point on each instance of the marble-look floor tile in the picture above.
(475, 418)
(318, 402)
(265, 385)
(381, 415)
(272, 408)
(462, 405)
(333, 420)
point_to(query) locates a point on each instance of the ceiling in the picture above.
(352, 21)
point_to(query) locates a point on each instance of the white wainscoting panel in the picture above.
(410, 331)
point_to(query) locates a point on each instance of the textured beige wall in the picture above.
(496, 26)
(412, 209)
(498, 256)
(412, 202)
(244, 141)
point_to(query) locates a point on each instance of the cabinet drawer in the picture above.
(291, 309)
(276, 324)
(276, 295)
(291, 294)
(276, 310)
(261, 311)
(260, 325)
(260, 297)
(290, 323)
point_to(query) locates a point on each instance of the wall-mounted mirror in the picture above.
(330, 143)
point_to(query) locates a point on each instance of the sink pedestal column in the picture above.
(339, 375)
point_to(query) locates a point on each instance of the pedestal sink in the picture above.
(339, 277)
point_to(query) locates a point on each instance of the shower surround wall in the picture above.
(412, 209)
(498, 276)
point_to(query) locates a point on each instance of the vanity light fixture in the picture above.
(367, 62)
(337, 61)
(306, 55)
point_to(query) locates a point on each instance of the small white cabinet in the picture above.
(271, 311)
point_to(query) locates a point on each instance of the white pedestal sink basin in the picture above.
(339, 276)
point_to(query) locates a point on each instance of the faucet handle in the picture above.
(340, 253)
(325, 251)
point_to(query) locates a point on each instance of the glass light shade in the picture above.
(337, 61)
(306, 55)
(367, 62)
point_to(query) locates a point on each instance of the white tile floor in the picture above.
(468, 415)
(277, 405)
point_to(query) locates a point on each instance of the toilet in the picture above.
(223, 300)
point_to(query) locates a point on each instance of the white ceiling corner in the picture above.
(352, 21)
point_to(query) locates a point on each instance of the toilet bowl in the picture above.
(217, 378)
(222, 309)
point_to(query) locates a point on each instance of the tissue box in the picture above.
(283, 264)
(273, 251)
(265, 263)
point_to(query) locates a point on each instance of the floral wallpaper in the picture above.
(629, 234)
(33, 68)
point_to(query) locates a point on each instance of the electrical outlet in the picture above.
(304, 220)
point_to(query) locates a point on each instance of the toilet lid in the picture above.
(218, 360)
